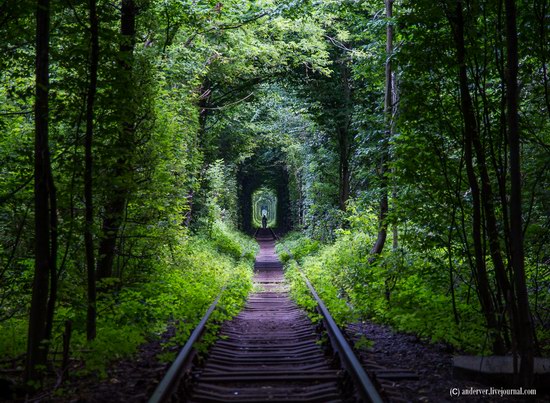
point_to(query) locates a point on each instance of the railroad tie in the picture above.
(269, 352)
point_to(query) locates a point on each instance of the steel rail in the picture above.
(166, 387)
(365, 387)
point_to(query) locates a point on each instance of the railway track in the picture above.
(269, 352)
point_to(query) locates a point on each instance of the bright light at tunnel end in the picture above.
(264, 202)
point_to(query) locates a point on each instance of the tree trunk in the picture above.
(388, 116)
(344, 171)
(37, 347)
(470, 133)
(487, 200)
(451, 268)
(344, 133)
(541, 11)
(201, 144)
(114, 209)
(52, 299)
(394, 100)
(523, 325)
(88, 165)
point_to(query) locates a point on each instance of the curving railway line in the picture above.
(270, 352)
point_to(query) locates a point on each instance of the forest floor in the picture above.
(134, 380)
(128, 380)
(431, 362)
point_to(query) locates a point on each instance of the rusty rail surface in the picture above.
(170, 381)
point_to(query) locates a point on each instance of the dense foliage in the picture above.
(404, 289)
(140, 193)
(434, 171)
(394, 135)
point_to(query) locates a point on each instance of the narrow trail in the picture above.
(269, 352)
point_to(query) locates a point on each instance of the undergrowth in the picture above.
(408, 291)
(186, 277)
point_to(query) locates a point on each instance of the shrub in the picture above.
(405, 290)
(183, 280)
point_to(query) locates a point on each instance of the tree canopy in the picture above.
(408, 142)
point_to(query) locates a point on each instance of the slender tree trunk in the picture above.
(541, 10)
(500, 155)
(395, 229)
(451, 268)
(504, 290)
(388, 112)
(200, 144)
(470, 133)
(344, 138)
(487, 197)
(301, 199)
(114, 209)
(394, 100)
(524, 326)
(37, 347)
(88, 166)
(344, 171)
(52, 299)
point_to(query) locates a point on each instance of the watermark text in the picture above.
(456, 392)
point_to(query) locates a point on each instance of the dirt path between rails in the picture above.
(269, 352)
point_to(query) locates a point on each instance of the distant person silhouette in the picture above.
(264, 221)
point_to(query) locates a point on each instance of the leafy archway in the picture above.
(264, 203)
(264, 177)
